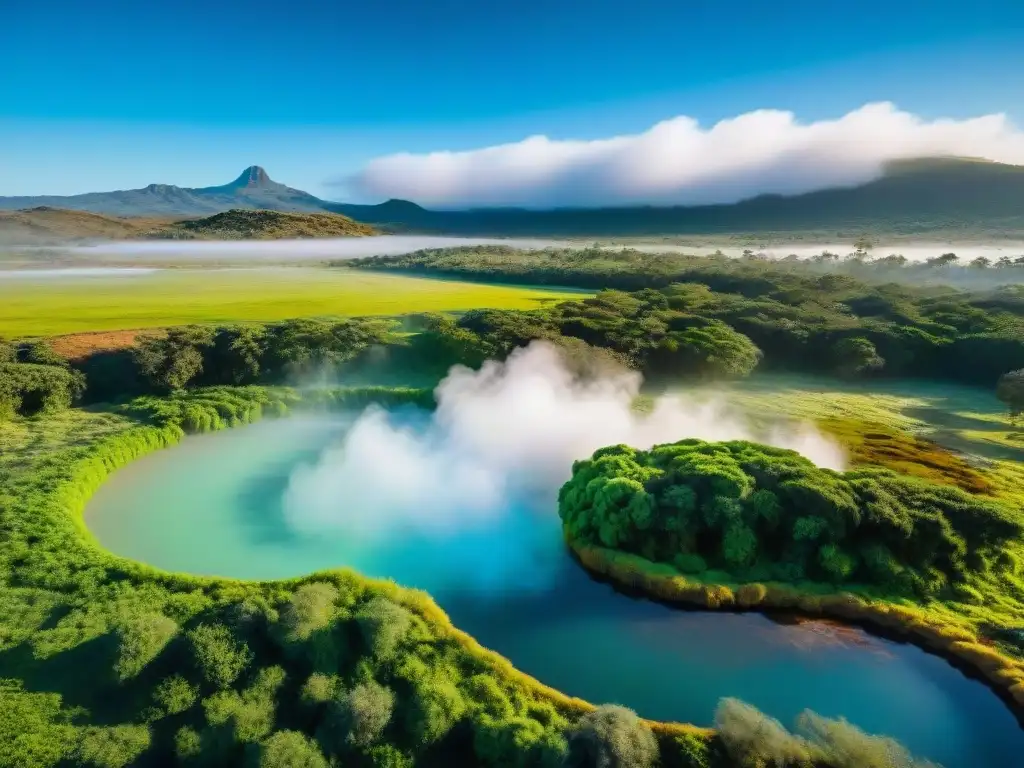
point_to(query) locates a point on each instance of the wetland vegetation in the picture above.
(110, 662)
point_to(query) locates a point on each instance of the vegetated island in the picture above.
(107, 662)
(738, 525)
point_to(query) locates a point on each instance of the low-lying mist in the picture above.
(475, 483)
(310, 248)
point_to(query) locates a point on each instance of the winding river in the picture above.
(213, 505)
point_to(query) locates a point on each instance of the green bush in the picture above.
(140, 639)
(113, 746)
(27, 389)
(733, 505)
(175, 695)
(219, 657)
(358, 717)
(286, 749)
(383, 625)
(612, 737)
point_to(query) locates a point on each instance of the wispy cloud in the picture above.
(678, 161)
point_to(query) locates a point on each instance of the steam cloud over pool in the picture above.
(502, 440)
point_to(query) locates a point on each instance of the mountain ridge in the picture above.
(927, 194)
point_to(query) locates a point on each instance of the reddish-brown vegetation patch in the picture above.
(77, 346)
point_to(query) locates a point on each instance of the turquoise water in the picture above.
(214, 505)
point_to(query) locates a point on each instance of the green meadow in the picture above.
(51, 306)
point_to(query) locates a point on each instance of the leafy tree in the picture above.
(175, 694)
(1010, 390)
(358, 717)
(383, 625)
(140, 639)
(113, 746)
(219, 657)
(856, 356)
(170, 362)
(612, 737)
(286, 749)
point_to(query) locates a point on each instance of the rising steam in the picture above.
(487, 464)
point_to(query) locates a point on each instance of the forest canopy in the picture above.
(764, 513)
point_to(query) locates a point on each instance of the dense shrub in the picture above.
(735, 505)
(219, 657)
(384, 625)
(28, 388)
(140, 639)
(358, 717)
(175, 694)
(113, 747)
(286, 749)
(612, 737)
(1010, 390)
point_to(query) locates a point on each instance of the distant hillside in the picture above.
(253, 189)
(955, 196)
(51, 225)
(239, 224)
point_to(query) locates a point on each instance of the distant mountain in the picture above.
(253, 189)
(918, 196)
(912, 197)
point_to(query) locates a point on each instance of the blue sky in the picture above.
(107, 95)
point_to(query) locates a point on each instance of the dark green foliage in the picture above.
(34, 732)
(1010, 390)
(856, 356)
(28, 388)
(8, 352)
(113, 747)
(789, 310)
(286, 749)
(40, 353)
(612, 737)
(219, 657)
(383, 625)
(735, 505)
(170, 362)
(304, 347)
(175, 694)
(140, 639)
(357, 718)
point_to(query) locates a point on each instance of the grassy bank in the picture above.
(51, 306)
(108, 662)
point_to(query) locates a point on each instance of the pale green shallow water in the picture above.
(213, 505)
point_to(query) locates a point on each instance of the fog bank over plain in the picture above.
(197, 252)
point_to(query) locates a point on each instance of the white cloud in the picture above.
(679, 162)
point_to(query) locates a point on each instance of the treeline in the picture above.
(832, 326)
(798, 320)
(631, 269)
(34, 379)
(759, 513)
